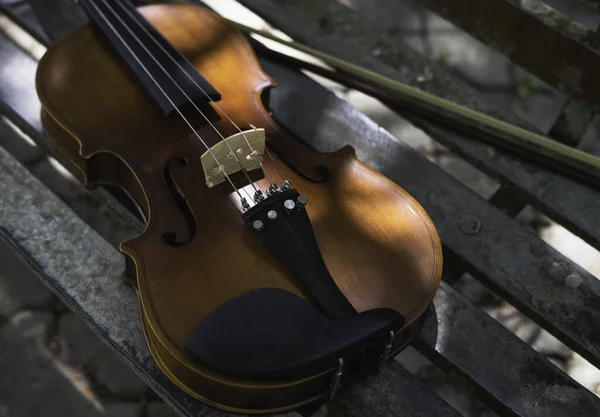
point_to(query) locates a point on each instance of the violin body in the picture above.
(197, 251)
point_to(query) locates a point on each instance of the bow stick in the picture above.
(411, 101)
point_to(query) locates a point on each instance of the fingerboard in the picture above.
(168, 76)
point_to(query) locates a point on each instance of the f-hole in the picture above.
(170, 237)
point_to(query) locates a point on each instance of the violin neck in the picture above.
(170, 79)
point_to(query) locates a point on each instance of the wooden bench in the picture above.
(75, 251)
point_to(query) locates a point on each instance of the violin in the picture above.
(268, 274)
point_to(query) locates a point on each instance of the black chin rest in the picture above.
(271, 333)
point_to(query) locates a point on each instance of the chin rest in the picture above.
(271, 333)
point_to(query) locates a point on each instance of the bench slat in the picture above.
(551, 368)
(327, 25)
(85, 272)
(129, 343)
(571, 203)
(21, 12)
(545, 190)
(19, 101)
(558, 196)
(375, 397)
(515, 262)
(18, 78)
(319, 98)
(575, 116)
(522, 32)
(594, 4)
(472, 343)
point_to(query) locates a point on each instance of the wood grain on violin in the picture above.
(197, 251)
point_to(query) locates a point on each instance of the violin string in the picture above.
(204, 92)
(268, 153)
(103, 16)
(274, 164)
(253, 152)
(138, 40)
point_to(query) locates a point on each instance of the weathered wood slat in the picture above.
(572, 123)
(333, 129)
(396, 381)
(18, 76)
(501, 36)
(573, 204)
(92, 207)
(83, 269)
(512, 260)
(514, 379)
(532, 35)
(556, 195)
(463, 332)
(327, 25)
(20, 11)
(594, 4)
(378, 396)
(375, 397)
(114, 306)
(19, 101)
(57, 17)
(335, 29)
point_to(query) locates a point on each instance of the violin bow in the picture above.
(411, 101)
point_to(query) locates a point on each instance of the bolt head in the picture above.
(272, 215)
(302, 200)
(469, 224)
(289, 206)
(258, 225)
